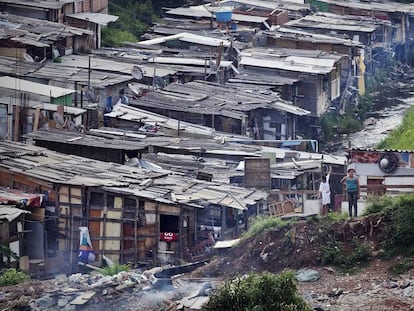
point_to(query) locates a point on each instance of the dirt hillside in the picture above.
(366, 285)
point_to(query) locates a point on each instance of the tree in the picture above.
(134, 19)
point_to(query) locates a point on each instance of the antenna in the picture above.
(136, 72)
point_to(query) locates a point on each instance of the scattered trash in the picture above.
(307, 275)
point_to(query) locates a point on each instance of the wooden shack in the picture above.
(133, 215)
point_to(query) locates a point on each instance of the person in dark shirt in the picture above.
(351, 183)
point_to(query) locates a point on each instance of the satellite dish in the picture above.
(136, 72)
(58, 119)
(28, 58)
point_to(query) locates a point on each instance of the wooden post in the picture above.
(135, 230)
(16, 123)
(180, 232)
(122, 231)
(36, 119)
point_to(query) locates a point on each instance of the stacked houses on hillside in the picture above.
(181, 137)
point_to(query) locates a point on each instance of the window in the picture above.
(169, 223)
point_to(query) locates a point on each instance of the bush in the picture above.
(400, 267)
(258, 292)
(114, 269)
(12, 276)
(378, 204)
(115, 37)
(260, 224)
(333, 253)
(397, 235)
(361, 251)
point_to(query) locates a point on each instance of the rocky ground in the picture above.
(371, 288)
(365, 286)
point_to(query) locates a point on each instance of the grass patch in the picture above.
(400, 267)
(12, 276)
(336, 217)
(114, 269)
(402, 137)
(261, 224)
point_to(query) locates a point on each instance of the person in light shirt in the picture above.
(324, 193)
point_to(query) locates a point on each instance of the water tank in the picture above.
(223, 16)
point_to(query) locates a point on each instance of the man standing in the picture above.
(351, 183)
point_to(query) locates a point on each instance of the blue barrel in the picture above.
(223, 16)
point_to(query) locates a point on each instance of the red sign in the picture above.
(168, 236)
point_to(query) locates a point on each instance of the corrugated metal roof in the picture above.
(129, 113)
(81, 139)
(97, 18)
(304, 36)
(390, 7)
(104, 64)
(11, 213)
(33, 87)
(202, 97)
(283, 65)
(45, 4)
(189, 37)
(269, 4)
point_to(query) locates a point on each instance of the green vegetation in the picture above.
(334, 253)
(398, 214)
(401, 266)
(12, 276)
(258, 292)
(115, 269)
(333, 123)
(260, 224)
(134, 19)
(336, 217)
(403, 136)
(8, 254)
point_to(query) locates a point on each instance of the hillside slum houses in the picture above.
(220, 159)
(133, 214)
(87, 14)
(36, 40)
(166, 144)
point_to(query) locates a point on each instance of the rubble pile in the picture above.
(127, 290)
(370, 289)
(66, 293)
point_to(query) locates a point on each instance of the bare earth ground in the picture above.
(293, 247)
(372, 288)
